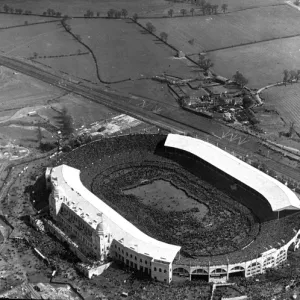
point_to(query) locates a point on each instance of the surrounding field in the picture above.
(21, 96)
(217, 31)
(261, 63)
(82, 67)
(136, 54)
(7, 20)
(286, 101)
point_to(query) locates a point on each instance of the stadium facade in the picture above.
(98, 234)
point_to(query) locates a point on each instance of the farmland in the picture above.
(286, 100)
(136, 54)
(217, 31)
(261, 63)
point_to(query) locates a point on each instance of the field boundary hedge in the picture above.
(94, 57)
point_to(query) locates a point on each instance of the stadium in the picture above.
(170, 206)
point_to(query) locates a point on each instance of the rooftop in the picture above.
(277, 194)
(89, 207)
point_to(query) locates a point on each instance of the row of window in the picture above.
(74, 218)
(131, 256)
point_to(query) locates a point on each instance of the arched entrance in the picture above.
(181, 272)
(199, 274)
(237, 271)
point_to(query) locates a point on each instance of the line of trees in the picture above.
(8, 9)
(205, 7)
(112, 13)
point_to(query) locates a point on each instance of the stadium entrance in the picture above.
(199, 274)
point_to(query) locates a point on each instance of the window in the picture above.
(146, 262)
(116, 247)
(126, 253)
(154, 268)
(141, 260)
(130, 255)
(123, 251)
(165, 280)
(159, 269)
(165, 271)
(107, 248)
(135, 257)
(119, 248)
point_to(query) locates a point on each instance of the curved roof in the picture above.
(277, 194)
(93, 210)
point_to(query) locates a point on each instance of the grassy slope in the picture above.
(217, 31)
(261, 63)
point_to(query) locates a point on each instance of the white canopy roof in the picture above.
(83, 202)
(277, 194)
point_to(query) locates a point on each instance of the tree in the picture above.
(98, 14)
(135, 17)
(150, 27)
(208, 8)
(26, 23)
(164, 36)
(293, 75)
(6, 8)
(240, 79)
(39, 135)
(224, 7)
(297, 2)
(124, 13)
(118, 14)
(205, 63)
(78, 37)
(49, 11)
(215, 8)
(183, 11)
(298, 75)
(170, 13)
(192, 10)
(65, 123)
(285, 76)
(35, 55)
(111, 13)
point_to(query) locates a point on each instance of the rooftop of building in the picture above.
(279, 196)
(91, 209)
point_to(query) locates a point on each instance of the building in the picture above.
(98, 234)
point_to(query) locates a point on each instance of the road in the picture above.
(173, 119)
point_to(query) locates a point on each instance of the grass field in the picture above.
(81, 66)
(218, 31)
(7, 20)
(45, 39)
(287, 101)
(164, 196)
(124, 50)
(261, 63)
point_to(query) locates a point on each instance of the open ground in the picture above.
(212, 32)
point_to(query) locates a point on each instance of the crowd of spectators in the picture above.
(112, 165)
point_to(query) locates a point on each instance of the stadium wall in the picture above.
(222, 273)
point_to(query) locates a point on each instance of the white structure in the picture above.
(277, 194)
(100, 232)
(95, 232)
